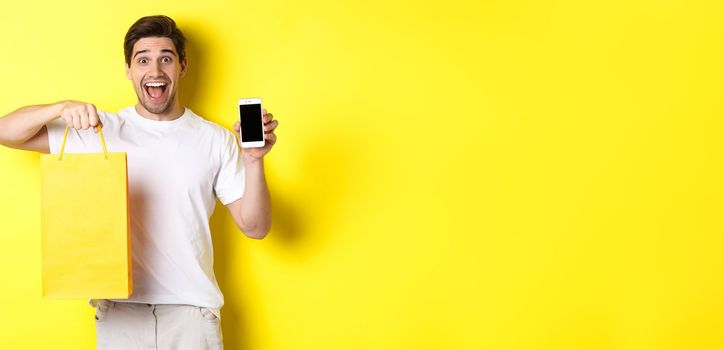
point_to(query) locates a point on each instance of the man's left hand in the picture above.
(269, 124)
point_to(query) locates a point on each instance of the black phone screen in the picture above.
(251, 129)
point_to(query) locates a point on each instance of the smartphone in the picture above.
(252, 131)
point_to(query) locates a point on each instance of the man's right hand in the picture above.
(80, 115)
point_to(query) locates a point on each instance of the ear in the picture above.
(184, 67)
(128, 72)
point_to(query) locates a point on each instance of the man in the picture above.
(177, 164)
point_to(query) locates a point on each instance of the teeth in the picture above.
(156, 84)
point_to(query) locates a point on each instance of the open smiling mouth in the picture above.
(156, 90)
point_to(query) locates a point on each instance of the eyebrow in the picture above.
(147, 50)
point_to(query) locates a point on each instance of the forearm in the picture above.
(19, 126)
(256, 211)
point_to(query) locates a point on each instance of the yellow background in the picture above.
(449, 175)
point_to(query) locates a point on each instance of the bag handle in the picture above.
(100, 133)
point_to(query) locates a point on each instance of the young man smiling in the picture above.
(178, 163)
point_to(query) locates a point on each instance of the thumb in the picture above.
(95, 128)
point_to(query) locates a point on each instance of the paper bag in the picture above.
(86, 246)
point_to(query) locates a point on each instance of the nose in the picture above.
(155, 68)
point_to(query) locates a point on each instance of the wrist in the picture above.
(58, 107)
(251, 160)
(61, 104)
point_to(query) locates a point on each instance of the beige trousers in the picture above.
(131, 326)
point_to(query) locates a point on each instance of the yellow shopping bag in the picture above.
(85, 225)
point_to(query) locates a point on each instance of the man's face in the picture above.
(155, 71)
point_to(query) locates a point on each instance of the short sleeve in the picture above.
(229, 181)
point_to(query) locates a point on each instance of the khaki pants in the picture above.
(131, 326)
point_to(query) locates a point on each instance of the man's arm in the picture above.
(252, 213)
(25, 128)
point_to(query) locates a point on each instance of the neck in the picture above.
(175, 111)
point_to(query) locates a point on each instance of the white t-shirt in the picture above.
(175, 170)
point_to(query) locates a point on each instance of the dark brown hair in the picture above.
(154, 26)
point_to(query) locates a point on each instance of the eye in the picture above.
(142, 61)
(166, 59)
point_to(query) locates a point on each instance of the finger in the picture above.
(93, 118)
(237, 126)
(271, 126)
(84, 119)
(68, 118)
(271, 138)
(267, 118)
(76, 120)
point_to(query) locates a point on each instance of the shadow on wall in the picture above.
(192, 86)
(322, 191)
(327, 174)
